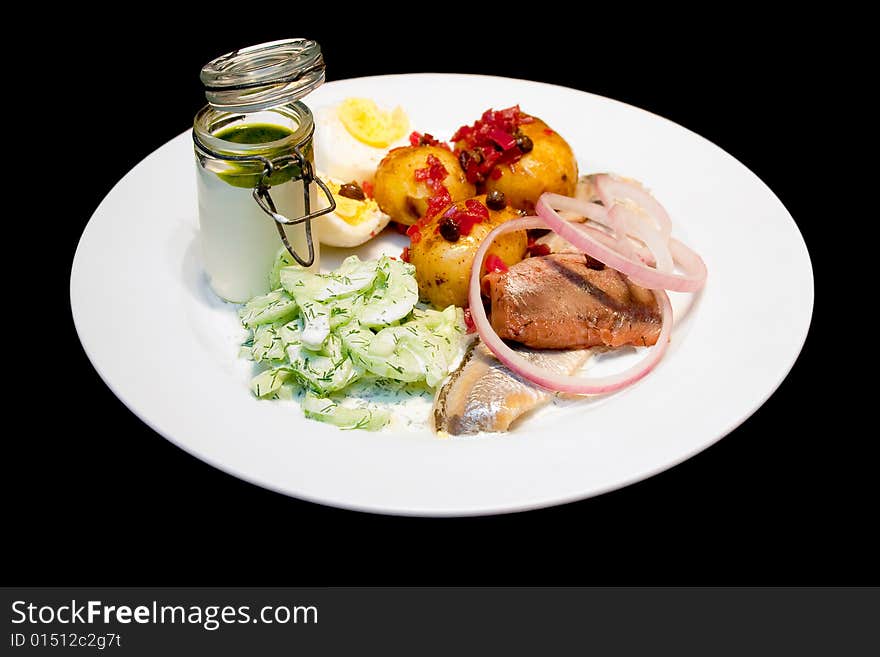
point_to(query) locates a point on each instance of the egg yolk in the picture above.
(370, 125)
(352, 211)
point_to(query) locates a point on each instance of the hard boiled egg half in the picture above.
(352, 137)
(355, 219)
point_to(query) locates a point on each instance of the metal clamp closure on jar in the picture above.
(258, 78)
(264, 199)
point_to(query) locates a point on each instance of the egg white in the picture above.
(340, 155)
(333, 230)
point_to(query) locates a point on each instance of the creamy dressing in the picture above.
(409, 403)
(239, 240)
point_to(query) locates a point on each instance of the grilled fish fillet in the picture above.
(483, 395)
(569, 301)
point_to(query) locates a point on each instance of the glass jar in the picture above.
(254, 164)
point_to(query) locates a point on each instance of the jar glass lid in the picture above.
(263, 76)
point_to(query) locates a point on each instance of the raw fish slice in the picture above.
(483, 395)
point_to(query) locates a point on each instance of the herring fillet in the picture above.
(566, 300)
(483, 395)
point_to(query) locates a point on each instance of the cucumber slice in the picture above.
(327, 410)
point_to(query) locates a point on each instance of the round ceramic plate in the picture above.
(168, 348)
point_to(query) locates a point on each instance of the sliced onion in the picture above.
(592, 211)
(613, 189)
(680, 253)
(626, 262)
(574, 207)
(538, 375)
(636, 225)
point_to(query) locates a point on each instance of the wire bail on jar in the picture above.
(264, 199)
(258, 78)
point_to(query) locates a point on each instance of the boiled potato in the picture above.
(549, 167)
(443, 268)
(401, 196)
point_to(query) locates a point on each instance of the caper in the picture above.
(353, 191)
(495, 200)
(449, 229)
(524, 143)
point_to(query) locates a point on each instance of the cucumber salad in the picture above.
(316, 335)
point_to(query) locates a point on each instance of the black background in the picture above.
(95, 497)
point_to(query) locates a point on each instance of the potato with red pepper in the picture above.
(402, 192)
(443, 252)
(547, 164)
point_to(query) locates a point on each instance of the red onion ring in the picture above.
(600, 215)
(592, 211)
(613, 189)
(538, 375)
(635, 224)
(679, 251)
(626, 263)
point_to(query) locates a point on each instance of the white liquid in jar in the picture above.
(240, 241)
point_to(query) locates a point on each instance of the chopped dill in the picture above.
(382, 293)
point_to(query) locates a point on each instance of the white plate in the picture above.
(167, 347)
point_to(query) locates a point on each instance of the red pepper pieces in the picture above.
(419, 139)
(494, 263)
(489, 142)
(464, 219)
(469, 321)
